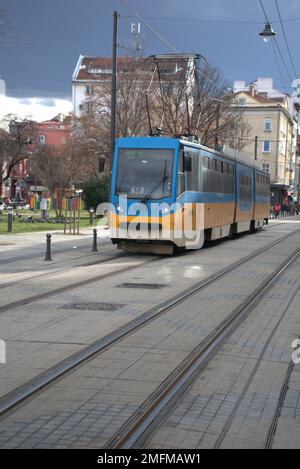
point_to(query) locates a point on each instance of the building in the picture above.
(55, 132)
(273, 118)
(137, 76)
(93, 73)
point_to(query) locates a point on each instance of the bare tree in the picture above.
(58, 169)
(182, 95)
(94, 123)
(196, 100)
(15, 143)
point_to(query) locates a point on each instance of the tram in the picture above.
(174, 193)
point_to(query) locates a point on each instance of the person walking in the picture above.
(277, 208)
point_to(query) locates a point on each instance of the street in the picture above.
(113, 337)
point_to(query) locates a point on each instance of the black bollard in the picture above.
(91, 216)
(10, 219)
(48, 248)
(94, 249)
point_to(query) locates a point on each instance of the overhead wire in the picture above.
(285, 38)
(275, 41)
(169, 45)
(206, 20)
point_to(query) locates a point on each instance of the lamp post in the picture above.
(113, 92)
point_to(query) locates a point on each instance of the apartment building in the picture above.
(273, 118)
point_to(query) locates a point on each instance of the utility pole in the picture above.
(113, 91)
(255, 147)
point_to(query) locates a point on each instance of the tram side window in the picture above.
(220, 178)
(193, 177)
(214, 176)
(245, 188)
(180, 176)
(262, 185)
(207, 174)
(228, 178)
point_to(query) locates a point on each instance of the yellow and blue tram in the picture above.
(157, 181)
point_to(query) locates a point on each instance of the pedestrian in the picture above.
(277, 208)
(283, 210)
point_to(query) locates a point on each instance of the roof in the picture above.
(262, 99)
(100, 68)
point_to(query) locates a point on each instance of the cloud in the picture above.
(47, 102)
(38, 109)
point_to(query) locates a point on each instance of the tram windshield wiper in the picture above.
(161, 181)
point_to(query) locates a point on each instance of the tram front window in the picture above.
(144, 173)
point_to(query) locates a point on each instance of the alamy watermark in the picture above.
(2, 352)
(156, 221)
(296, 352)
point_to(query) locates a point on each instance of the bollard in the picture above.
(94, 249)
(91, 216)
(10, 218)
(48, 248)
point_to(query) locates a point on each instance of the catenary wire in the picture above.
(285, 38)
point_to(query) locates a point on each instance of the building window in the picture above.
(268, 125)
(266, 146)
(242, 101)
(266, 167)
(101, 165)
(41, 139)
(89, 90)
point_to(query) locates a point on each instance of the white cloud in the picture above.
(38, 109)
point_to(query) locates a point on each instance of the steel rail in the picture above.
(81, 283)
(15, 397)
(66, 269)
(150, 414)
(285, 386)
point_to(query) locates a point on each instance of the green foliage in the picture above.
(95, 191)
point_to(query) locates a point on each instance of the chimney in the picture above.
(252, 91)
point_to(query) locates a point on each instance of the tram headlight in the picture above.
(120, 209)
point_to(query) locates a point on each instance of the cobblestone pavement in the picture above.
(87, 406)
(40, 334)
(233, 403)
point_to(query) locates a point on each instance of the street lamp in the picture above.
(268, 32)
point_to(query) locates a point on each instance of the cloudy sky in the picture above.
(39, 54)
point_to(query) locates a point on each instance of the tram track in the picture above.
(11, 260)
(149, 416)
(31, 299)
(86, 264)
(273, 427)
(66, 269)
(15, 397)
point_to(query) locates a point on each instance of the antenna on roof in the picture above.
(136, 42)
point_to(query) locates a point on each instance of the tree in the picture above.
(60, 168)
(196, 100)
(15, 143)
(184, 96)
(93, 126)
(95, 191)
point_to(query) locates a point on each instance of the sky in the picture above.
(45, 39)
